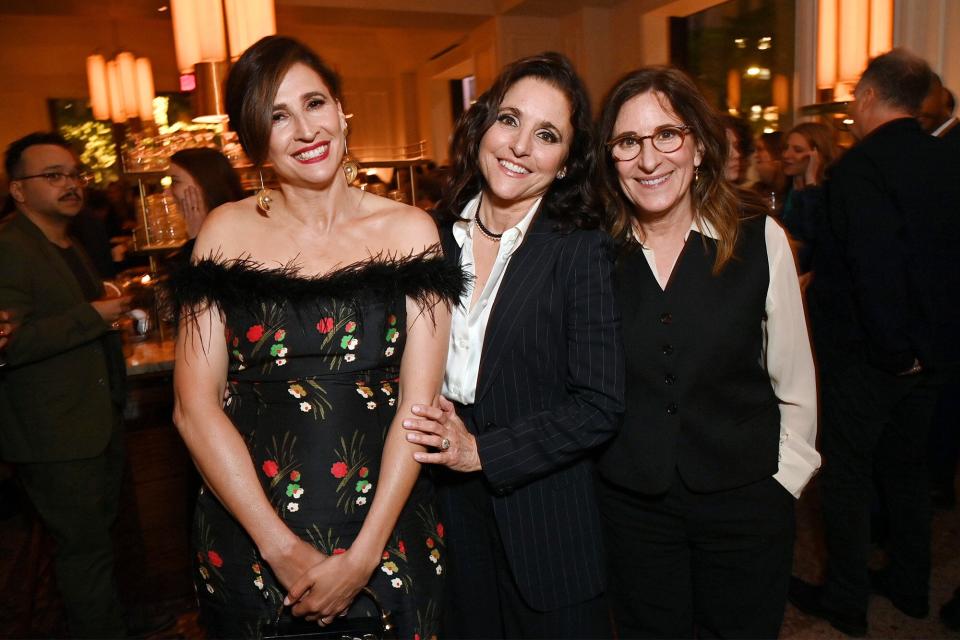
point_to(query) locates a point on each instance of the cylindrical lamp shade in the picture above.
(145, 92)
(127, 67)
(827, 44)
(117, 114)
(97, 84)
(247, 22)
(209, 96)
(198, 34)
(881, 27)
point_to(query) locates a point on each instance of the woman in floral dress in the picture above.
(312, 319)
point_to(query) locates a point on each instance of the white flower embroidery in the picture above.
(298, 492)
(392, 401)
(388, 352)
(439, 569)
(259, 582)
(281, 362)
(371, 405)
(282, 352)
(209, 588)
(387, 570)
(396, 583)
(352, 344)
(305, 407)
(367, 487)
(361, 501)
(293, 507)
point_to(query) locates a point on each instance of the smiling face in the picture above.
(37, 195)
(796, 155)
(526, 146)
(658, 184)
(307, 138)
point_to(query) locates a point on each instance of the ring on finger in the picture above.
(445, 444)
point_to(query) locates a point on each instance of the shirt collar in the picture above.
(463, 228)
(698, 224)
(946, 125)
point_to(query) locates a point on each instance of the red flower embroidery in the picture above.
(386, 555)
(440, 529)
(350, 326)
(271, 468)
(255, 332)
(325, 325)
(280, 335)
(429, 543)
(339, 550)
(215, 558)
(402, 547)
(295, 476)
(339, 469)
(364, 472)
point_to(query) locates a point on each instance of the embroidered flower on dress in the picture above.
(434, 556)
(215, 558)
(396, 583)
(255, 332)
(388, 352)
(293, 507)
(371, 405)
(439, 569)
(281, 362)
(389, 568)
(280, 335)
(339, 469)
(325, 325)
(271, 468)
(258, 581)
(305, 407)
(295, 476)
(350, 357)
(361, 501)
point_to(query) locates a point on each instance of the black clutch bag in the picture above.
(377, 624)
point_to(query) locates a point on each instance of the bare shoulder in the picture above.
(401, 228)
(225, 228)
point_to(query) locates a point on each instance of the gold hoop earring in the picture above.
(350, 167)
(263, 196)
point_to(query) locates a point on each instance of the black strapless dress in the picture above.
(312, 388)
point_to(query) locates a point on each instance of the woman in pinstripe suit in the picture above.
(534, 373)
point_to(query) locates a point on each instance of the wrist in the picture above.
(277, 545)
(365, 555)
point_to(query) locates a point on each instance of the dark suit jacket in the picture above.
(63, 381)
(549, 391)
(887, 283)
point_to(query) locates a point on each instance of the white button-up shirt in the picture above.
(468, 324)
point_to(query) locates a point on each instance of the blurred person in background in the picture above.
(808, 150)
(203, 179)
(771, 184)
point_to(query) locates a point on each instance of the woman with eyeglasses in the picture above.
(697, 490)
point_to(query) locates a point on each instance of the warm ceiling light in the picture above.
(117, 114)
(145, 92)
(849, 32)
(97, 84)
(247, 22)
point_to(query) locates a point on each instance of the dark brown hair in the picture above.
(253, 83)
(570, 201)
(217, 180)
(900, 79)
(713, 198)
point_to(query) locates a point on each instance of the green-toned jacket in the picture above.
(64, 380)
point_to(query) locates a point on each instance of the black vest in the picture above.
(699, 399)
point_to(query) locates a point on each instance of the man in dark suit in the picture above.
(885, 321)
(61, 392)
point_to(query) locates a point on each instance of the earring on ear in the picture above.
(562, 174)
(350, 167)
(696, 173)
(263, 196)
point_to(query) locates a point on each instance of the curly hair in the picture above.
(713, 198)
(570, 201)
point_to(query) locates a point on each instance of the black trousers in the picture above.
(686, 564)
(875, 425)
(78, 500)
(482, 598)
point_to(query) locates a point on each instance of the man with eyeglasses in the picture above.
(62, 387)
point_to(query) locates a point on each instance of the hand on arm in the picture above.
(439, 426)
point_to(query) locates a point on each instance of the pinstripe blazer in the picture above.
(549, 391)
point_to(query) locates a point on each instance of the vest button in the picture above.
(666, 318)
(667, 349)
(672, 408)
(669, 379)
